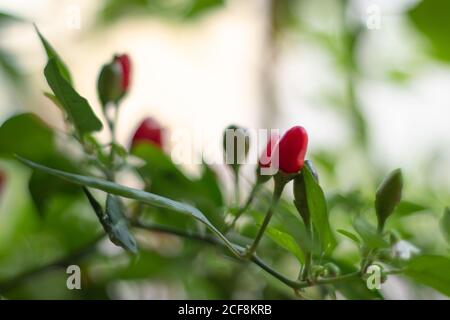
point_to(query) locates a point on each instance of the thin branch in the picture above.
(296, 285)
(206, 238)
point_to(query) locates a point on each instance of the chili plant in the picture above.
(172, 203)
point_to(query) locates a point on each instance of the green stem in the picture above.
(237, 192)
(366, 258)
(216, 242)
(112, 128)
(308, 257)
(254, 258)
(279, 183)
(83, 251)
(245, 207)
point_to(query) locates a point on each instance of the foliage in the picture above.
(8, 64)
(185, 9)
(59, 221)
(431, 19)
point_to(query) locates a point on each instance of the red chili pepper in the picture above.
(114, 80)
(292, 150)
(125, 65)
(265, 158)
(149, 131)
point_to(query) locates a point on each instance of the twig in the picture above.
(244, 208)
(296, 285)
(209, 239)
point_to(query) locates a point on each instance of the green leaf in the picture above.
(109, 84)
(351, 201)
(350, 235)
(209, 184)
(52, 54)
(317, 207)
(431, 270)
(77, 107)
(117, 224)
(369, 234)
(44, 187)
(139, 195)
(186, 9)
(406, 208)
(199, 6)
(28, 136)
(431, 19)
(6, 18)
(166, 179)
(10, 68)
(160, 171)
(95, 205)
(286, 241)
(54, 99)
(67, 220)
(388, 196)
(114, 221)
(445, 224)
(288, 221)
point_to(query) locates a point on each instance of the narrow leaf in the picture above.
(406, 208)
(95, 205)
(117, 224)
(11, 69)
(52, 54)
(139, 195)
(431, 270)
(369, 234)
(77, 107)
(349, 235)
(6, 17)
(28, 136)
(388, 196)
(286, 241)
(317, 207)
(45, 189)
(445, 224)
(113, 221)
(54, 99)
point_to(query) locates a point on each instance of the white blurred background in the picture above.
(206, 74)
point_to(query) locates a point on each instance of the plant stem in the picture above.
(244, 207)
(279, 184)
(112, 128)
(253, 258)
(263, 228)
(213, 241)
(237, 191)
(308, 256)
(209, 239)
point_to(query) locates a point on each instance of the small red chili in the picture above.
(292, 150)
(124, 62)
(149, 131)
